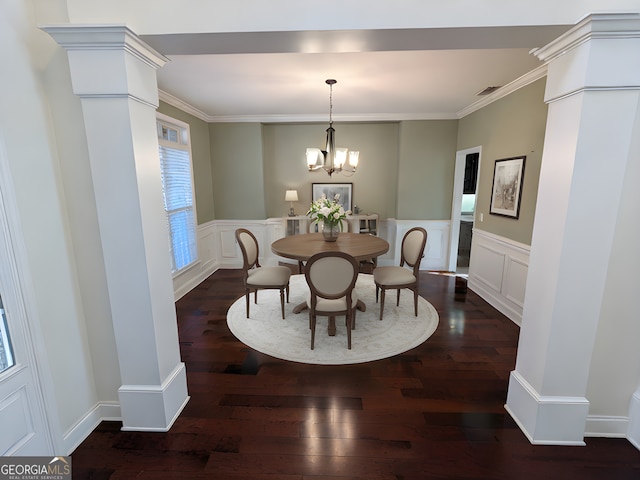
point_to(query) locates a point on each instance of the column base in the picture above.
(154, 408)
(546, 420)
(633, 432)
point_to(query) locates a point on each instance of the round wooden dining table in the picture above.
(302, 247)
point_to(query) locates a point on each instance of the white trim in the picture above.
(546, 420)
(596, 25)
(274, 118)
(517, 84)
(456, 202)
(101, 411)
(606, 426)
(105, 37)
(633, 431)
(27, 316)
(523, 81)
(154, 408)
(181, 105)
(498, 271)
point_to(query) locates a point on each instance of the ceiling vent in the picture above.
(488, 90)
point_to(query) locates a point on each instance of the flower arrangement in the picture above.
(328, 211)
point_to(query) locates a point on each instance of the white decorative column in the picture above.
(593, 92)
(114, 74)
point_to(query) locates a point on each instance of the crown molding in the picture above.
(523, 81)
(184, 106)
(593, 26)
(104, 37)
(518, 83)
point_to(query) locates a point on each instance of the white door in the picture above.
(23, 424)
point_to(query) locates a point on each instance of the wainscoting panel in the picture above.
(490, 266)
(15, 418)
(436, 252)
(217, 246)
(228, 246)
(498, 272)
(515, 280)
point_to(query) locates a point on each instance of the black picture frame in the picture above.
(330, 189)
(506, 192)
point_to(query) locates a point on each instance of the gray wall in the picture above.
(242, 170)
(236, 164)
(509, 127)
(374, 184)
(253, 164)
(426, 169)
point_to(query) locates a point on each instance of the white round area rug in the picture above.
(372, 339)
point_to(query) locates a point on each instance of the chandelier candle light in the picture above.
(332, 159)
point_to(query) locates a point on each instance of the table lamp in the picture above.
(291, 196)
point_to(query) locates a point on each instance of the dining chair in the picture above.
(399, 277)
(331, 277)
(255, 276)
(315, 227)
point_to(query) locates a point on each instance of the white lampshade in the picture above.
(353, 158)
(340, 158)
(313, 155)
(291, 196)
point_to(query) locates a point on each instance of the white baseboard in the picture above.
(189, 280)
(605, 426)
(154, 408)
(82, 429)
(494, 299)
(633, 430)
(546, 420)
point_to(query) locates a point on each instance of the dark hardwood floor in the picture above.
(435, 412)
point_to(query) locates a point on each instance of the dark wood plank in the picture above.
(435, 412)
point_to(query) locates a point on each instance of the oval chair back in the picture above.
(331, 277)
(257, 277)
(397, 278)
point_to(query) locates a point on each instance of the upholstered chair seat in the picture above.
(269, 276)
(333, 305)
(399, 277)
(257, 277)
(391, 276)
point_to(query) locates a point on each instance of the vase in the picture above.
(330, 231)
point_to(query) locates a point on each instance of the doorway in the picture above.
(467, 171)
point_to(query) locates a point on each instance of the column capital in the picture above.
(593, 26)
(109, 61)
(104, 37)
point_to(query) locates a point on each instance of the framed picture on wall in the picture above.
(345, 190)
(507, 187)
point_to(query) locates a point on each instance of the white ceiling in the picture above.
(382, 74)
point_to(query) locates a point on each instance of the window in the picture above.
(6, 354)
(177, 188)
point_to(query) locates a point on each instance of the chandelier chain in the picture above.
(330, 104)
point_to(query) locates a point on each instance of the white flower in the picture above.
(328, 211)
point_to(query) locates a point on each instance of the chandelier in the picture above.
(332, 159)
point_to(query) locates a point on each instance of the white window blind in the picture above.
(175, 163)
